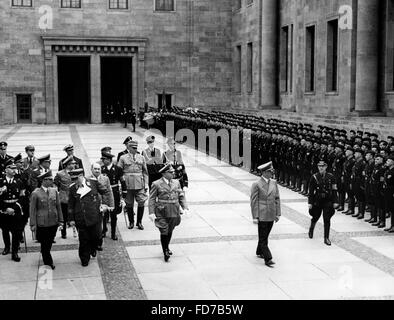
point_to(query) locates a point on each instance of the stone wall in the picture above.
(188, 53)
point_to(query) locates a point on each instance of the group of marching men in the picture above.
(30, 193)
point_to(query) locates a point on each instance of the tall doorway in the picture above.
(74, 89)
(116, 87)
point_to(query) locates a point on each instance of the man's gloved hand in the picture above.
(256, 221)
(10, 211)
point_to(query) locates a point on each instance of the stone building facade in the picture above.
(331, 57)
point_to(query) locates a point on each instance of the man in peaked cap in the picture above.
(11, 218)
(125, 142)
(322, 199)
(265, 191)
(44, 166)
(30, 161)
(69, 149)
(166, 195)
(63, 182)
(135, 176)
(153, 159)
(4, 157)
(45, 215)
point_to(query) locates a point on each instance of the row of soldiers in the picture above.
(127, 180)
(362, 164)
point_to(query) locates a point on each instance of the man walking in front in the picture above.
(265, 205)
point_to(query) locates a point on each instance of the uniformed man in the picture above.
(69, 149)
(45, 215)
(174, 156)
(377, 182)
(114, 173)
(153, 159)
(30, 161)
(4, 157)
(389, 190)
(11, 216)
(133, 119)
(323, 198)
(63, 182)
(135, 176)
(357, 185)
(165, 199)
(84, 212)
(125, 142)
(34, 172)
(22, 175)
(346, 178)
(369, 167)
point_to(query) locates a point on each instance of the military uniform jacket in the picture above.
(135, 172)
(114, 174)
(33, 182)
(85, 211)
(78, 165)
(3, 161)
(165, 199)
(153, 160)
(107, 197)
(10, 199)
(63, 181)
(358, 174)
(389, 180)
(377, 179)
(168, 156)
(322, 189)
(45, 208)
(265, 200)
(26, 163)
(347, 169)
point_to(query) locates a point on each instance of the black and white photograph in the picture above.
(197, 150)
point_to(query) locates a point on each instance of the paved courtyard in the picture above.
(214, 249)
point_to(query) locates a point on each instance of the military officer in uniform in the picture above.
(45, 215)
(84, 212)
(323, 198)
(63, 182)
(125, 142)
(11, 216)
(35, 172)
(165, 200)
(114, 173)
(346, 179)
(265, 207)
(69, 149)
(174, 156)
(153, 160)
(4, 157)
(377, 185)
(389, 190)
(30, 161)
(135, 176)
(357, 184)
(133, 119)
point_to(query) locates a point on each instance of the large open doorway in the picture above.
(74, 89)
(116, 87)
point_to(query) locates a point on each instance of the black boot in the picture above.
(130, 215)
(311, 229)
(113, 230)
(105, 221)
(361, 210)
(327, 235)
(140, 214)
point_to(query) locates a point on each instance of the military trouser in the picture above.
(328, 211)
(89, 240)
(113, 213)
(16, 238)
(359, 195)
(140, 197)
(64, 207)
(389, 195)
(377, 206)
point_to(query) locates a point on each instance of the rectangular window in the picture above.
(237, 71)
(23, 106)
(238, 4)
(118, 4)
(164, 5)
(22, 3)
(332, 56)
(284, 59)
(310, 59)
(71, 4)
(249, 70)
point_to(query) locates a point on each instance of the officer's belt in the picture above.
(114, 185)
(168, 201)
(10, 201)
(133, 173)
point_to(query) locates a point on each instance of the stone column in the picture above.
(268, 49)
(95, 89)
(49, 86)
(134, 83)
(141, 77)
(367, 54)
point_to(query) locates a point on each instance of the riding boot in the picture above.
(113, 230)
(311, 229)
(327, 235)
(140, 214)
(361, 210)
(105, 221)
(130, 215)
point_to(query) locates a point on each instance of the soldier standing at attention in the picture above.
(135, 176)
(323, 198)
(133, 119)
(389, 190)
(377, 211)
(153, 160)
(346, 178)
(69, 149)
(4, 157)
(358, 184)
(165, 199)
